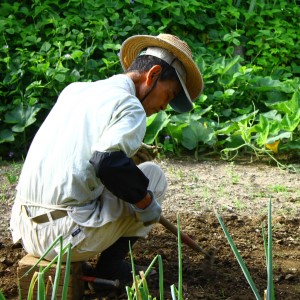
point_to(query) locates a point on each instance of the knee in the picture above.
(157, 179)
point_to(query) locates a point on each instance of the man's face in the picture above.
(156, 93)
(160, 96)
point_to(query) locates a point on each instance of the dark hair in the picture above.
(144, 63)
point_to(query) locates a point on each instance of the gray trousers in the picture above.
(86, 241)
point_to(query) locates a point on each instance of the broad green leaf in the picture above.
(34, 84)
(234, 141)
(243, 111)
(273, 115)
(276, 96)
(60, 77)
(76, 54)
(227, 129)
(189, 138)
(175, 130)
(6, 136)
(282, 135)
(290, 123)
(160, 121)
(218, 94)
(10, 30)
(151, 119)
(201, 112)
(229, 92)
(263, 129)
(267, 84)
(75, 75)
(22, 117)
(246, 117)
(291, 145)
(112, 46)
(231, 64)
(291, 107)
(92, 64)
(46, 47)
(181, 118)
(226, 112)
(195, 133)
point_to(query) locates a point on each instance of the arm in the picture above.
(124, 179)
(121, 176)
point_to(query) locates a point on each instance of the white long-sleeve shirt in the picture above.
(88, 116)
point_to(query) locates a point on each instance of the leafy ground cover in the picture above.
(246, 50)
(240, 192)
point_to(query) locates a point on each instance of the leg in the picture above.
(111, 264)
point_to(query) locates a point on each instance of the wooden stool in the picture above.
(75, 287)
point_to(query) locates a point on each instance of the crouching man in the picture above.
(79, 180)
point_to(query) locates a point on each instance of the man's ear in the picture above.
(153, 74)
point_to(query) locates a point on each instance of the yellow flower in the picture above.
(273, 146)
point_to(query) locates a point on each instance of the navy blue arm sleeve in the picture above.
(120, 175)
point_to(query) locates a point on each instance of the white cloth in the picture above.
(104, 116)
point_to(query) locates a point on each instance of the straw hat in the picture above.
(190, 78)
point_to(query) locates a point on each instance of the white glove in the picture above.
(150, 214)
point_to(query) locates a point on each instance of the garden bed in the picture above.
(240, 192)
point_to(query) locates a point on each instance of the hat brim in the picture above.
(132, 47)
(182, 102)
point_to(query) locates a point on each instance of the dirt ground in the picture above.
(240, 193)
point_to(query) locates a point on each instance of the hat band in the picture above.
(167, 57)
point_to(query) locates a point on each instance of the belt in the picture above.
(48, 217)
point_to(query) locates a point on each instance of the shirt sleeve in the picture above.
(125, 130)
(120, 175)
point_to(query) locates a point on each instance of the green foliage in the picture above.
(248, 52)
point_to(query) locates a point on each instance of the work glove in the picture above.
(145, 153)
(150, 214)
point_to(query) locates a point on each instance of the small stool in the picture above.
(75, 287)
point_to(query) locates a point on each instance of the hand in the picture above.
(145, 153)
(150, 214)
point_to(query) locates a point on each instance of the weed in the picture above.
(233, 175)
(188, 189)
(12, 178)
(278, 188)
(4, 189)
(239, 204)
(180, 174)
(206, 196)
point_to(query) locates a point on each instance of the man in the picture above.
(79, 180)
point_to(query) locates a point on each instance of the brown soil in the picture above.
(240, 193)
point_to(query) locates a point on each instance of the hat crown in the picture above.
(174, 40)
